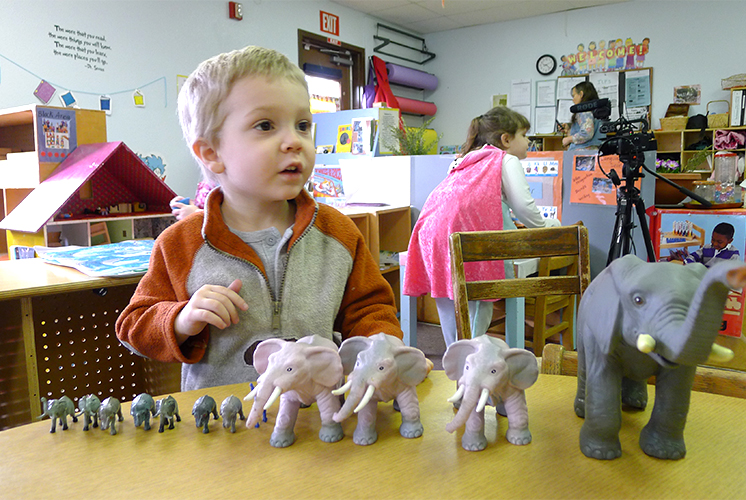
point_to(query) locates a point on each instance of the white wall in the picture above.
(697, 42)
(152, 41)
(149, 41)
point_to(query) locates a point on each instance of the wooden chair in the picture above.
(539, 308)
(556, 360)
(569, 241)
(100, 229)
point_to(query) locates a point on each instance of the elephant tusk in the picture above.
(366, 398)
(272, 397)
(458, 395)
(645, 343)
(720, 354)
(343, 389)
(483, 399)
(252, 394)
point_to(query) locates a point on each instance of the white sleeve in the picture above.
(518, 196)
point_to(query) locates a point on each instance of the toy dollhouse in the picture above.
(62, 183)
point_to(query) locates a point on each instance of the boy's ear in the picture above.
(208, 155)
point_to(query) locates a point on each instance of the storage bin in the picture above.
(717, 120)
(674, 123)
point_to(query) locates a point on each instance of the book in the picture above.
(362, 129)
(344, 139)
(736, 118)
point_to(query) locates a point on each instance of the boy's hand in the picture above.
(211, 304)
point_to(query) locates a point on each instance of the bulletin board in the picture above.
(543, 171)
(630, 92)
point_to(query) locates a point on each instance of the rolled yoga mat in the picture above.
(410, 77)
(416, 107)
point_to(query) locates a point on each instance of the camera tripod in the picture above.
(628, 198)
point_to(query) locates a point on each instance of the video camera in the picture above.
(628, 139)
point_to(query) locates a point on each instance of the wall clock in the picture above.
(546, 64)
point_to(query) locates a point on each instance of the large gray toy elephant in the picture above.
(58, 409)
(230, 408)
(168, 411)
(636, 320)
(202, 409)
(88, 407)
(486, 366)
(297, 372)
(381, 368)
(109, 412)
(143, 407)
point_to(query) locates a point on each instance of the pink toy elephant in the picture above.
(381, 368)
(298, 372)
(484, 367)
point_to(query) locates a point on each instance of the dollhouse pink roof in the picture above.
(116, 175)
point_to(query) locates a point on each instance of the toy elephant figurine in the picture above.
(485, 366)
(201, 411)
(298, 372)
(636, 320)
(381, 368)
(109, 412)
(229, 409)
(88, 407)
(168, 410)
(58, 409)
(143, 406)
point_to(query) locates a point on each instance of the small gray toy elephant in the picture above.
(168, 410)
(639, 319)
(484, 367)
(88, 406)
(109, 412)
(143, 406)
(229, 409)
(58, 409)
(201, 411)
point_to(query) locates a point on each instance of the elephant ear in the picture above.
(454, 358)
(412, 365)
(262, 352)
(326, 366)
(523, 368)
(600, 311)
(349, 350)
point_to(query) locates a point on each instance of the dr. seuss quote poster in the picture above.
(589, 183)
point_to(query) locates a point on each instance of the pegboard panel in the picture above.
(14, 396)
(78, 352)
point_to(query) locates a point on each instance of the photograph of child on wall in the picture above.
(706, 238)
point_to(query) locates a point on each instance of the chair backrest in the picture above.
(568, 241)
(556, 360)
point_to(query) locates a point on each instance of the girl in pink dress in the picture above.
(481, 188)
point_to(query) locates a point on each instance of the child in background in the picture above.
(477, 195)
(584, 132)
(181, 210)
(262, 260)
(718, 250)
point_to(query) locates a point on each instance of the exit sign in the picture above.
(329, 23)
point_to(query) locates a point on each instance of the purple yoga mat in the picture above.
(401, 75)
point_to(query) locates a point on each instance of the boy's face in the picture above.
(265, 152)
(720, 241)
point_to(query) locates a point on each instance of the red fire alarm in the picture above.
(235, 11)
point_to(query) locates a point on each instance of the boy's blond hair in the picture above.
(199, 101)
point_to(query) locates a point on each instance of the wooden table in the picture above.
(56, 324)
(185, 463)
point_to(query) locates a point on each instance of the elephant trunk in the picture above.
(357, 392)
(690, 343)
(468, 405)
(264, 396)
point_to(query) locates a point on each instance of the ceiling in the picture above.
(431, 16)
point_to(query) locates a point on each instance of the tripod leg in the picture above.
(617, 237)
(640, 207)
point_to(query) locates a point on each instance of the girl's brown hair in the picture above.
(489, 128)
